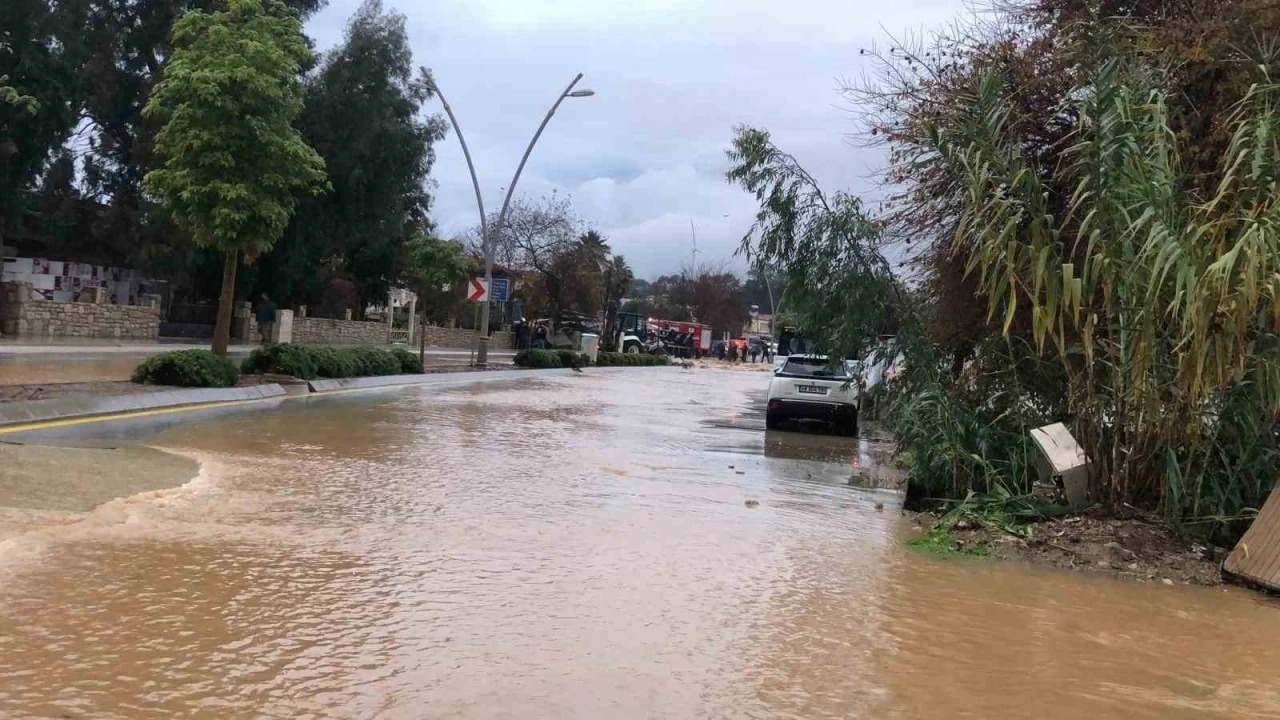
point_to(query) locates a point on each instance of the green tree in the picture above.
(233, 161)
(118, 51)
(827, 246)
(362, 115)
(38, 105)
(435, 264)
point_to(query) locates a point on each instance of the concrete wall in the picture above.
(459, 338)
(23, 317)
(324, 331)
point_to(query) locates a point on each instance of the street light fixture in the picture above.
(488, 242)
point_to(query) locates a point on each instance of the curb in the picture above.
(319, 387)
(35, 411)
(358, 383)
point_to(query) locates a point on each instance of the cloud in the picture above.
(672, 79)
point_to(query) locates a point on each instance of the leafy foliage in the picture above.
(330, 362)
(374, 361)
(233, 161)
(538, 359)
(311, 362)
(409, 363)
(186, 368)
(1160, 305)
(617, 359)
(362, 115)
(289, 359)
(827, 247)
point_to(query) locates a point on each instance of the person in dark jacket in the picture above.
(266, 317)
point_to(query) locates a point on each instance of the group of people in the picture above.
(531, 337)
(752, 352)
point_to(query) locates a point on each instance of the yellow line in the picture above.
(85, 420)
(69, 422)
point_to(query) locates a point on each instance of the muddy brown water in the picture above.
(576, 546)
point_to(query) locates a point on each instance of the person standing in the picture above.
(266, 317)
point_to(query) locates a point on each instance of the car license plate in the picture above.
(811, 389)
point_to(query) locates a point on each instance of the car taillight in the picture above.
(774, 403)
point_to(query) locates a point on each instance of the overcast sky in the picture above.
(672, 79)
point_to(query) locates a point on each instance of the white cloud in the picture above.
(672, 77)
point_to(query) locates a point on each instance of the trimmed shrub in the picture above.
(617, 359)
(538, 359)
(310, 363)
(332, 362)
(409, 361)
(186, 368)
(571, 359)
(374, 361)
(281, 359)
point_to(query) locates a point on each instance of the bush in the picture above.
(186, 368)
(571, 359)
(409, 362)
(374, 361)
(617, 359)
(310, 363)
(332, 362)
(280, 359)
(538, 359)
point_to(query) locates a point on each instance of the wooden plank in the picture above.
(1256, 558)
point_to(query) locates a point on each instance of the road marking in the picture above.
(84, 420)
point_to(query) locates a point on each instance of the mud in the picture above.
(1129, 548)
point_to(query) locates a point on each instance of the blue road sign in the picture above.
(501, 290)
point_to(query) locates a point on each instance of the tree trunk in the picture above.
(222, 331)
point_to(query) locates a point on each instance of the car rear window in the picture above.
(813, 367)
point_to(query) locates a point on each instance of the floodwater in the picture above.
(33, 369)
(576, 546)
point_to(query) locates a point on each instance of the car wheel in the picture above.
(633, 349)
(771, 420)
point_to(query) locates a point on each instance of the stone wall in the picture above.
(23, 317)
(325, 331)
(460, 338)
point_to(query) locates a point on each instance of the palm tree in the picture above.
(594, 248)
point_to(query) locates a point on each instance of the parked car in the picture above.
(810, 387)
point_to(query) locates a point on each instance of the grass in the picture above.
(941, 544)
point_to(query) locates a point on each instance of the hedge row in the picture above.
(569, 358)
(310, 363)
(617, 359)
(186, 368)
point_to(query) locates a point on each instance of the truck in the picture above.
(637, 333)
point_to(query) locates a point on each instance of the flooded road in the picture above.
(576, 546)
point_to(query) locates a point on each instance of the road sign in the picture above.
(501, 289)
(479, 290)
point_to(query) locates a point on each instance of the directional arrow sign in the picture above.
(479, 290)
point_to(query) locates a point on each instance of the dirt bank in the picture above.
(1132, 548)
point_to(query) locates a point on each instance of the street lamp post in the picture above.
(488, 242)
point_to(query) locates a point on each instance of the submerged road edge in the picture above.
(23, 417)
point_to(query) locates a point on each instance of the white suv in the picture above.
(808, 387)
